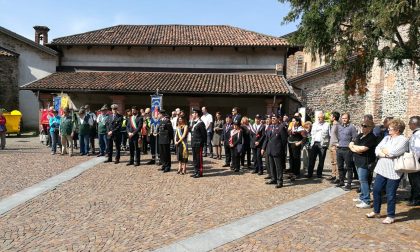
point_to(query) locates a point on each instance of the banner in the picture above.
(57, 103)
(156, 105)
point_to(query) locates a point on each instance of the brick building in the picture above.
(216, 66)
(390, 92)
(23, 61)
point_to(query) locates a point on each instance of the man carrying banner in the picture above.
(133, 127)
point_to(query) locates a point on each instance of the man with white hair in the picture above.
(319, 145)
(207, 119)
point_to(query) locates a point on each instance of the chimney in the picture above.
(41, 34)
(279, 69)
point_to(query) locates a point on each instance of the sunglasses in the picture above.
(365, 126)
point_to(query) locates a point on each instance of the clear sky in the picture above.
(67, 17)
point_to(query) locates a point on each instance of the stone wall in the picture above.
(391, 92)
(325, 91)
(9, 98)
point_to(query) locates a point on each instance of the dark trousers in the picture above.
(267, 164)
(198, 160)
(228, 154)
(92, 141)
(236, 159)
(317, 151)
(117, 140)
(345, 164)
(133, 143)
(294, 158)
(208, 144)
(165, 156)
(144, 144)
(258, 165)
(414, 179)
(153, 145)
(277, 168)
(390, 186)
(124, 137)
(247, 152)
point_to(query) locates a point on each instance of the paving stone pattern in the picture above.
(337, 226)
(120, 208)
(25, 162)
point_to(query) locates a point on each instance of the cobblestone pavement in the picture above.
(120, 208)
(25, 162)
(337, 226)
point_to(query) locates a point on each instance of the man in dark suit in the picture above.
(166, 134)
(134, 125)
(275, 141)
(257, 140)
(113, 127)
(198, 137)
(227, 127)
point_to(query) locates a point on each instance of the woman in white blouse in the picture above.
(390, 148)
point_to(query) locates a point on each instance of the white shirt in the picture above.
(396, 147)
(415, 143)
(174, 120)
(320, 133)
(207, 120)
(82, 119)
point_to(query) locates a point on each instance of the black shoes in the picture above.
(236, 170)
(151, 162)
(308, 176)
(136, 164)
(347, 188)
(414, 203)
(319, 176)
(279, 185)
(254, 172)
(166, 170)
(226, 165)
(130, 163)
(260, 173)
(331, 178)
(340, 184)
(268, 177)
(271, 182)
(337, 181)
(117, 162)
(196, 175)
(108, 161)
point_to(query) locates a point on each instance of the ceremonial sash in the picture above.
(184, 151)
(133, 122)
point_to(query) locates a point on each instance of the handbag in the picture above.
(407, 163)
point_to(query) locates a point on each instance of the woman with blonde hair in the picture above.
(391, 147)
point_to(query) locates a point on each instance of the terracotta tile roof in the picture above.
(172, 35)
(7, 53)
(169, 83)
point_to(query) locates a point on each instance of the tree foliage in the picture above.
(351, 34)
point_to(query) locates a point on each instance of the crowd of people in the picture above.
(266, 142)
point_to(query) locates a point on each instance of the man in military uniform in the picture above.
(274, 144)
(198, 137)
(257, 140)
(227, 127)
(113, 127)
(166, 134)
(134, 124)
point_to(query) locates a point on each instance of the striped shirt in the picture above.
(396, 147)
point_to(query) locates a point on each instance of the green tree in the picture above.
(351, 34)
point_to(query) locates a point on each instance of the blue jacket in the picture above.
(54, 123)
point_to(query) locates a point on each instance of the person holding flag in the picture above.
(133, 127)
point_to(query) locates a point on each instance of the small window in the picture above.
(299, 65)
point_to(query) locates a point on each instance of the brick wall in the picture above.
(9, 83)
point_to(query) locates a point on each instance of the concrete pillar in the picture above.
(120, 101)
